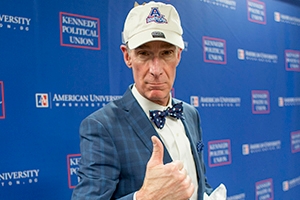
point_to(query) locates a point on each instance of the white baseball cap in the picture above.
(154, 21)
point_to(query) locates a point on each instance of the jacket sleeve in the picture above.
(99, 167)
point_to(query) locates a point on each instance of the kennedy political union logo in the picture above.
(257, 11)
(79, 31)
(295, 141)
(72, 165)
(260, 102)
(2, 107)
(214, 50)
(219, 153)
(264, 189)
(292, 60)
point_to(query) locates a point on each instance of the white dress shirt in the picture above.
(173, 136)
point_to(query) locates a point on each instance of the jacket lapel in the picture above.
(140, 123)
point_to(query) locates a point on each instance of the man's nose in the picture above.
(155, 67)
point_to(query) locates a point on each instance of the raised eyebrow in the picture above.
(168, 46)
(143, 46)
(169, 49)
(164, 47)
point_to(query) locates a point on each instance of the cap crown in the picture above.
(151, 22)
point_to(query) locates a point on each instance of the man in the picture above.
(129, 151)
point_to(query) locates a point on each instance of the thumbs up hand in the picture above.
(164, 182)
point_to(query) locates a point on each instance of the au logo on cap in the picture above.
(155, 16)
(158, 34)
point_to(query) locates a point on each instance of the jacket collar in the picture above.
(140, 122)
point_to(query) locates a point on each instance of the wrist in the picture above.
(142, 195)
(139, 195)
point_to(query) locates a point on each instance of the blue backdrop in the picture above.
(60, 61)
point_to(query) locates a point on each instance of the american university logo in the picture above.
(156, 17)
(287, 19)
(79, 31)
(2, 107)
(250, 55)
(218, 101)
(289, 184)
(14, 22)
(54, 100)
(261, 147)
(241, 196)
(41, 100)
(20, 177)
(194, 101)
(228, 4)
(288, 101)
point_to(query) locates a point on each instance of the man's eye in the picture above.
(167, 53)
(143, 53)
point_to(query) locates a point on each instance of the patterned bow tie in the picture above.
(159, 117)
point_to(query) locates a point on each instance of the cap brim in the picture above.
(146, 36)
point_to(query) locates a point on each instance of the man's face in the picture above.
(154, 69)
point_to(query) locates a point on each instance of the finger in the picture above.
(157, 153)
(179, 164)
(190, 186)
(191, 189)
(184, 172)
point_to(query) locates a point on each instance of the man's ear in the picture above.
(126, 55)
(179, 51)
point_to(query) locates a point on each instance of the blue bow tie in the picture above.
(159, 117)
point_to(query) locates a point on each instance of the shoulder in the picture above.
(115, 109)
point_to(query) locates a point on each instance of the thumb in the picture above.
(157, 153)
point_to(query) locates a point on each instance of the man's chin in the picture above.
(158, 96)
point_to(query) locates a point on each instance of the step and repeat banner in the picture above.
(61, 60)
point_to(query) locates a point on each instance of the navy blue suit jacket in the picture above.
(116, 145)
